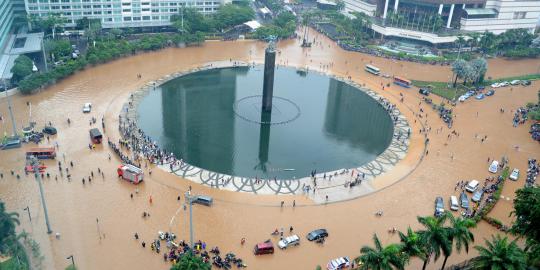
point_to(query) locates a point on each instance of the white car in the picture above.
(87, 107)
(514, 175)
(495, 85)
(339, 263)
(494, 167)
(515, 82)
(288, 241)
(505, 83)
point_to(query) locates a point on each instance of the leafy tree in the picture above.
(460, 41)
(479, 68)
(488, 41)
(283, 19)
(459, 68)
(188, 261)
(499, 254)
(22, 67)
(8, 221)
(48, 24)
(58, 48)
(231, 15)
(527, 212)
(380, 258)
(436, 237)
(411, 245)
(194, 21)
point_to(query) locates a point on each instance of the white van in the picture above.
(494, 167)
(472, 186)
(454, 205)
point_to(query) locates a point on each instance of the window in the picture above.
(126, 10)
(126, 4)
(145, 9)
(146, 18)
(87, 13)
(66, 7)
(107, 19)
(155, 10)
(173, 10)
(136, 18)
(65, 1)
(145, 3)
(97, 6)
(55, 1)
(55, 7)
(107, 12)
(520, 15)
(155, 17)
(86, 6)
(173, 4)
(32, 1)
(97, 12)
(32, 8)
(67, 13)
(127, 19)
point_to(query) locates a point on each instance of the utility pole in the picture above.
(189, 200)
(35, 164)
(10, 111)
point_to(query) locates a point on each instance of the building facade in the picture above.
(440, 21)
(6, 21)
(120, 13)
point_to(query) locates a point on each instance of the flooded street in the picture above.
(74, 207)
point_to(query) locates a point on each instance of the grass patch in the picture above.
(441, 89)
(530, 77)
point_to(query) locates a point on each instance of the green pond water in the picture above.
(212, 119)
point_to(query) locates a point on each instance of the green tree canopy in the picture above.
(231, 15)
(499, 254)
(527, 212)
(22, 67)
(380, 257)
(188, 261)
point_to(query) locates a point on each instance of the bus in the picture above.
(42, 153)
(402, 82)
(373, 70)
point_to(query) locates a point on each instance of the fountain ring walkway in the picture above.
(336, 186)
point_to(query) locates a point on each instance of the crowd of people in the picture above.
(175, 251)
(532, 172)
(520, 116)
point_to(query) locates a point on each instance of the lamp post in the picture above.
(10, 110)
(72, 260)
(189, 199)
(28, 210)
(35, 165)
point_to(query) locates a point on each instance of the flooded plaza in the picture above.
(403, 193)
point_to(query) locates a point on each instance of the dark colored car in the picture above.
(204, 200)
(317, 234)
(439, 206)
(490, 92)
(480, 88)
(526, 82)
(423, 91)
(49, 130)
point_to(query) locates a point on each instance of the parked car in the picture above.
(439, 206)
(454, 205)
(464, 200)
(503, 84)
(472, 186)
(288, 241)
(515, 82)
(424, 91)
(265, 247)
(515, 174)
(87, 107)
(339, 263)
(491, 92)
(495, 85)
(50, 130)
(204, 200)
(317, 234)
(477, 196)
(480, 96)
(525, 82)
(494, 167)
(480, 88)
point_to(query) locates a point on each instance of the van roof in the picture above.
(473, 183)
(265, 245)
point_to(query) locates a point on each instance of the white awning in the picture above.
(253, 24)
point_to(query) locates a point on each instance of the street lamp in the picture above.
(189, 199)
(10, 110)
(35, 165)
(72, 260)
(28, 210)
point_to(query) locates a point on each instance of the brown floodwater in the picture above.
(74, 207)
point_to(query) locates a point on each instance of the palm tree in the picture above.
(460, 41)
(380, 258)
(460, 234)
(435, 236)
(460, 69)
(7, 223)
(499, 254)
(411, 245)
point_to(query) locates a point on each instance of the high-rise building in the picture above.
(6, 21)
(120, 13)
(440, 21)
